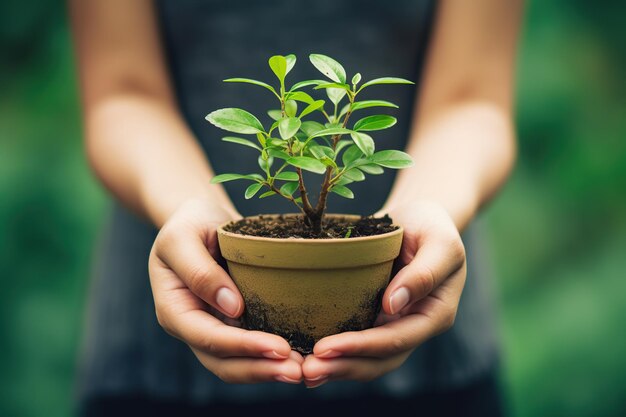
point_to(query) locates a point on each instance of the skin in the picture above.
(139, 146)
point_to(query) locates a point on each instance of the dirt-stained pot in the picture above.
(306, 289)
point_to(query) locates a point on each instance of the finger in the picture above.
(428, 317)
(295, 356)
(434, 262)
(251, 370)
(315, 370)
(204, 332)
(183, 315)
(184, 252)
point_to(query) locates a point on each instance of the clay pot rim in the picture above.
(220, 230)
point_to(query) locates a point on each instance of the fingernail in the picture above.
(399, 299)
(272, 354)
(228, 301)
(283, 378)
(317, 384)
(317, 378)
(328, 354)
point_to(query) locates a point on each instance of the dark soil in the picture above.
(257, 317)
(290, 226)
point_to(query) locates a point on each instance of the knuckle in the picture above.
(167, 235)
(457, 250)
(398, 344)
(199, 277)
(209, 347)
(426, 280)
(449, 317)
(164, 323)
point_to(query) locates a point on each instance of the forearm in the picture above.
(143, 152)
(463, 153)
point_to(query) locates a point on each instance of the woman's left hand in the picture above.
(420, 302)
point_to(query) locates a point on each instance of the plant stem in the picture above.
(288, 197)
(321, 203)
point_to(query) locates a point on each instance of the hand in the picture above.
(420, 302)
(193, 293)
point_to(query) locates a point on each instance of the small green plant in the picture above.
(309, 145)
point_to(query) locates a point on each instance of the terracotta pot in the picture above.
(306, 289)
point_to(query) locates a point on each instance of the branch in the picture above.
(288, 197)
(306, 204)
(321, 203)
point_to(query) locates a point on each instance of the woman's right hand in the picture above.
(193, 295)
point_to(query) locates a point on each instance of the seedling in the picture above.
(341, 154)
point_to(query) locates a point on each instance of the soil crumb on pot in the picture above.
(290, 226)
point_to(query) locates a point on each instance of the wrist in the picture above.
(160, 207)
(461, 208)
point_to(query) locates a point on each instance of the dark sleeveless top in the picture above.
(124, 350)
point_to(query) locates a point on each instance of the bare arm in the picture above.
(463, 139)
(136, 140)
(144, 153)
(463, 146)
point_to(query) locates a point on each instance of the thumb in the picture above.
(188, 257)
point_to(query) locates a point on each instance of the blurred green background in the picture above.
(557, 232)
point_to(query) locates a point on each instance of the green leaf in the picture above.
(320, 152)
(364, 142)
(251, 81)
(277, 153)
(343, 180)
(392, 159)
(230, 177)
(354, 174)
(372, 103)
(261, 138)
(241, 141)
(256, 177)
(329, 162)
(306, 83)
(291, 61)
(311, 127)
(287, 176)
(329, 67)
(316, 105)
(335, 94)
(342, 190)
(342, 144)
(267, 194)
(358, 163)
(372, 169)
(235, 120)
(289, 188)
(274, 125)
(308, 164)
(275, 114)
(339, 86)
(386, 80)
(265, 164)
(351, 154)
(300, 96)
(330, 132)
(291, 108)
(277, 143)
(252, 190)
(377, 122)
(296, 146)
(278, 64)
(288, 127)
(356, 79)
